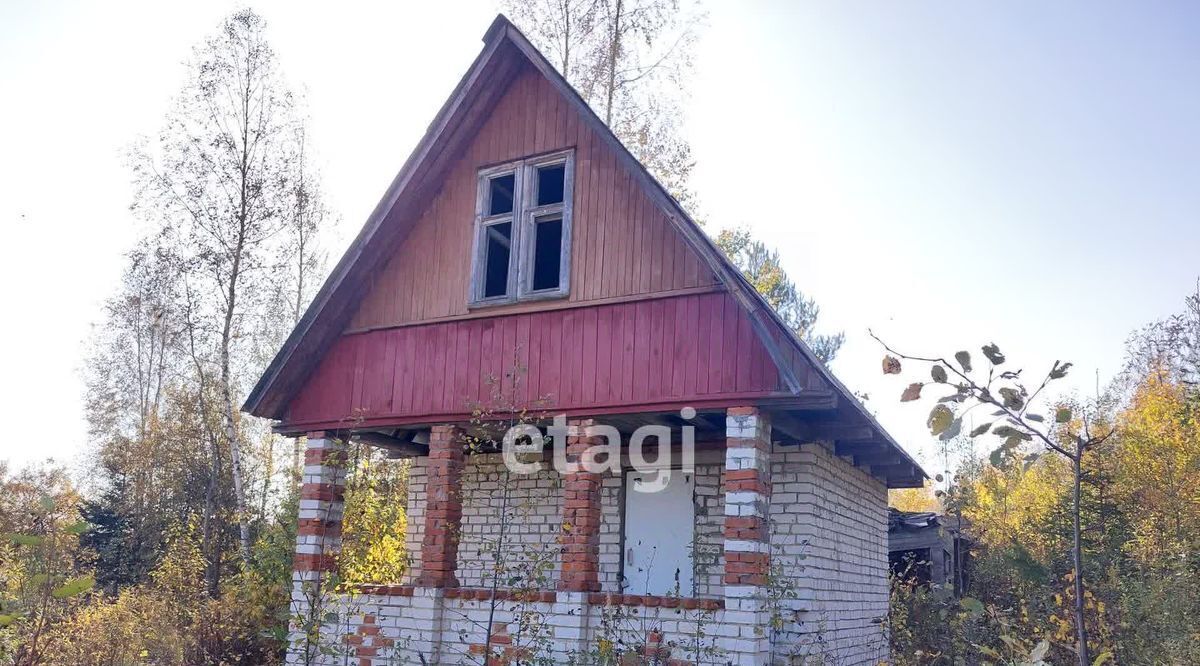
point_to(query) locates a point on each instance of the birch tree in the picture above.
(630, 61)
(220, 180)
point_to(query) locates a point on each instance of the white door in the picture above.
(659, 523)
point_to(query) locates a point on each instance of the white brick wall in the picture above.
(829, 537)
(829, 533)
(709, 557)
(611, 496)
(418, 479)
(534, 520)
(565, 631)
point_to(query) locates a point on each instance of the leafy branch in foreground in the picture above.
(1016, 418)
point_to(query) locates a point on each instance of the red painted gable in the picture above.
(661, 353)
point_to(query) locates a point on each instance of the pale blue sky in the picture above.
(948, 173)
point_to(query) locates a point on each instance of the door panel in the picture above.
(659, 527)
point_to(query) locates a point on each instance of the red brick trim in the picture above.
(318, 527)
(328, 457)
(749, 568)
(742, 411)
(755, 485)
(503, 652)
(757, 580)
(486, 594)
(746, 568)
(580, 537)
(325, 492)
(383, 590)
(313, 562)
(649, 600)
(759, 443)
(367, 641)
(745, 528)
(443, 509)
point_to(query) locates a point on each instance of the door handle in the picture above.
(629, 556)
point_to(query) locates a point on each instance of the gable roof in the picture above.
(506, 51)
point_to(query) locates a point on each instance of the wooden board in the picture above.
(622, 244)
(667, 352)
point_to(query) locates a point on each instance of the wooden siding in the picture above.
(622, 244)
(666, 352)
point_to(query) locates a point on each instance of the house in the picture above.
(927, 547)
(523, 262)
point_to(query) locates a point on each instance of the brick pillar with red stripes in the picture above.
(581, 513)
(747, 484)
(318, 538)
(443, 509)
(322, 490)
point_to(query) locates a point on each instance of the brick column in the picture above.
(581, 514)
(318, 540)
(323, 486)
(747, 534)
(443, 509)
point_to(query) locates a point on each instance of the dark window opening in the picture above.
(500, 194)
(911, 566)
(498, 238)
(547, 253)
(550, 183)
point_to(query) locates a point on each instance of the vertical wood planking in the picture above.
(622, 243)
(669, 350)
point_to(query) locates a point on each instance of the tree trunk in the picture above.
(229, 414)
(1077, 561)
(235, 465)
(614, 46)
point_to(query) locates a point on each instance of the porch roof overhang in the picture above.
(820, 418)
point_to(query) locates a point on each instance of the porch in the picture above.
(576, 565)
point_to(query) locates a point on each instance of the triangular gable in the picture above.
(623, 245)
(505, 54)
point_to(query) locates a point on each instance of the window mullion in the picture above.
(516, 255)
(528, 200)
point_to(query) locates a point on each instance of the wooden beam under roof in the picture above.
(802, 430)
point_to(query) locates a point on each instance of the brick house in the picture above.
(522, 252)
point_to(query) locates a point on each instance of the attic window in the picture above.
(500, 194)
(550, 184)
(523, 230)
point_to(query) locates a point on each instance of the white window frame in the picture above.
(524, 216)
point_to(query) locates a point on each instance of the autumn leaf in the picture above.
(1060, 370)
(1012, 398)
(981, 430)
(993, 354)
(964, 359)
(891, 365)
(912, 392)
(938, 373)
(951, 431)
(1062, 415)
(940, 418)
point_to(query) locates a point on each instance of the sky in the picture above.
(946, 174)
